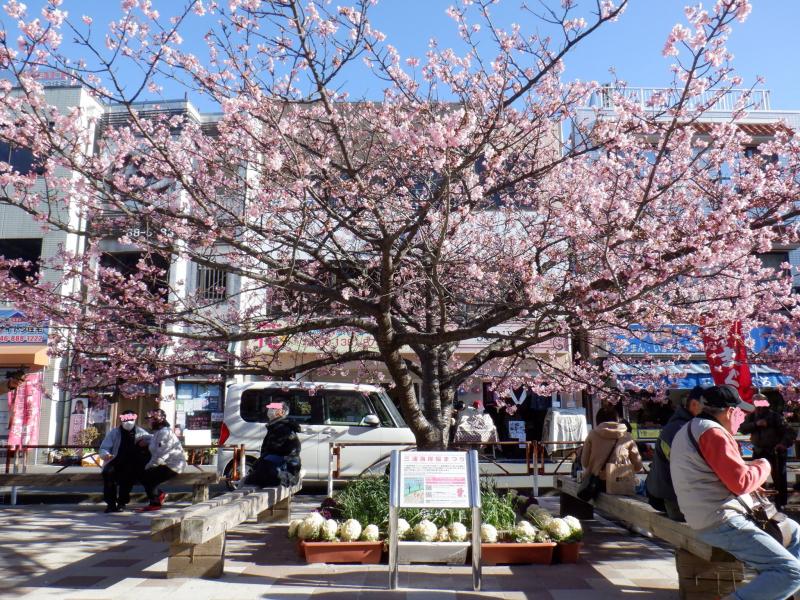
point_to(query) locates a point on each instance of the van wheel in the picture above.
(235, 485)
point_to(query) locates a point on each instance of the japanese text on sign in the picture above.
(434, 479)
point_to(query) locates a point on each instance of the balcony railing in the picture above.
(647, 98)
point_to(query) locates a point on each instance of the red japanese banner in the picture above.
(24, 405)
(727, 360)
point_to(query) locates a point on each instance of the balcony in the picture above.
(647, 98)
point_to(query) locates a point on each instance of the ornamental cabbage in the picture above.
(403, 529)
(541, 537)
(350, 530)
(370, 533)
(524, 532)
(293, 528)
(458, 533)
(329, 530)
(573, 523)
(558, 530)
(488, 533)
(310, 527)
(425, 531)
(443, 535)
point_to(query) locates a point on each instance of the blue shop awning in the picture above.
(684, 375)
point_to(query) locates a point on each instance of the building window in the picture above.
(774, 260)
(212, 284)
(28, 250)
(21, 159)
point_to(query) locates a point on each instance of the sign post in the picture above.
(434, 480)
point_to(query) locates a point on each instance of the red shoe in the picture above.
(149, 508)
(161, 497)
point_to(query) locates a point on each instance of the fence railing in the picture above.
(651, 97)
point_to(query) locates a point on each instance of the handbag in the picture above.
(763, 514)
(591, 486)
(620, 479)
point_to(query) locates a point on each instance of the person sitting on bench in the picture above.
(166, 459)
(279, 463)
(124, 461)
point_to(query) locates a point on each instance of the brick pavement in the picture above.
(76, 552)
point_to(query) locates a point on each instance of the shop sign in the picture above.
(78, 418)
(516, 431)
(24, 405)
(434, 479)
(16, 328)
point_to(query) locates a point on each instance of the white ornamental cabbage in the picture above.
(370, 533)
(458, 533)
(425, 531)
(524, 532)
(573, 523)
(443, 535)
(558, 529)
(293, 528)
(488, 533)
(329, 530)
(310, 527)
(541, 537)
(403, 529)
(350, 530)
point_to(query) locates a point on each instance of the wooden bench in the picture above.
(196, 534)
(704, 572)
(199, 480)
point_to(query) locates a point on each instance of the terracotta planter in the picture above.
(517, 554)
(365, 553)
(568, 553)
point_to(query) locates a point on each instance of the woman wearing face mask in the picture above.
(122, 458)
(166, 459)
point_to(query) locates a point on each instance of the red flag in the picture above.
(728, 361)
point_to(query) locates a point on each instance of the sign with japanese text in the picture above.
(727, 360)
(24, 406)
(434, 479)
(16, 328)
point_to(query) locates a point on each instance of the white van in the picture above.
(326, 412)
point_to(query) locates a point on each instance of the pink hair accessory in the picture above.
(124, 418)
(275, 405)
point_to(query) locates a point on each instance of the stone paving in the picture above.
(76, 552)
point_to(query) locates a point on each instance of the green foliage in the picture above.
(366, 500)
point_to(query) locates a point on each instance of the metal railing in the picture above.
(651, 97)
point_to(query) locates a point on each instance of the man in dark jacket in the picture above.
(771, 436)
(279, 463)
(659, 479)
(124, 461)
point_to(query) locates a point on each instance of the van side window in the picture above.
(345, 408)
(302, 408)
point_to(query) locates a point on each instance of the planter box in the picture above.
(450, 553)
(517, 554)
(365, 553)
(568, 553)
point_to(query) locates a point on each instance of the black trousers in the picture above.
(118, 480)
(777, 461)
(154, 477)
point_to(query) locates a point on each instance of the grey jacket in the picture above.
(110, 445)
(166, 449)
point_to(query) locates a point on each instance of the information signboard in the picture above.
(434, 479)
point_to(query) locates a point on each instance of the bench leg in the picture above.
(570, 505)
(199, 493)
(197, 560)
(280, 512)
(700, 579)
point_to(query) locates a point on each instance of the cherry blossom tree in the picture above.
(385, 234)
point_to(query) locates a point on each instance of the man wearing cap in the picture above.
(771, 436)
(123, 461)
(712, 481)
(659, 480)
(279, 463)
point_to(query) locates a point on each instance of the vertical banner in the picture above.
(727, 360)
(24, 406)
(77, 420)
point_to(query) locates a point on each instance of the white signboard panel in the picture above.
(434, 479)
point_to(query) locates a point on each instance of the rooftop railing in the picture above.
(751, 100)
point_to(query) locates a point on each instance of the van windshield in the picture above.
(385, 407)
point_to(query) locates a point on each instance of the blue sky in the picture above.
(767, 44)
